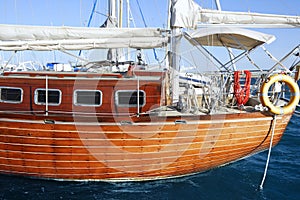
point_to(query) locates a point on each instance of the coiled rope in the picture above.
(269, 153)
(242, 93)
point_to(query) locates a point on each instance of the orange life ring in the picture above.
(294, 99)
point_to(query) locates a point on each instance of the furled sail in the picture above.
(40, 38)
(187, 14)
(184, 13)
(248, 19)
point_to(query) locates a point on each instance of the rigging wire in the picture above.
(154, 51)
(141, 12)
(92, 13)
(90, 18)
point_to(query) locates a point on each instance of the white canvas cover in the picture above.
(229, 36)
(215, 17)
(188, 14)
(39, 38)
(184, 14)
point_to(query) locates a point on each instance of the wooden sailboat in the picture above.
(123, 126)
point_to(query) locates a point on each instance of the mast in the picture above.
(174, 69)
(112, 11)
(128, 25)
(120, 14)
(168, 100)
(183, 15)
(128, 13)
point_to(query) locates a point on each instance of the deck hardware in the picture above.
(180, 122)
(125, 122)
(49, 121)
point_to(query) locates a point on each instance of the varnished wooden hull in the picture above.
(148, 148)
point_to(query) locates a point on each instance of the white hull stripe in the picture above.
(212, 121)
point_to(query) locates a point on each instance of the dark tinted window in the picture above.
(87, 97)
(13, 95)
(129, 98)
(53, 96)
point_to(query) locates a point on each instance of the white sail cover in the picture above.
(44, 38)
(184, 13)
(249, 19)
(237, 38)
(187, 14)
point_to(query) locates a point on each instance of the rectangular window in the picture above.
(54, 96)
(129, 98)
(88, 97)
(11, 95)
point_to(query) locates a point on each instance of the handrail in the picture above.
(64, 74)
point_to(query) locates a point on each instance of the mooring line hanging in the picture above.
(269, 153)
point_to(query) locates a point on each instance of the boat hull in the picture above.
(148, 147)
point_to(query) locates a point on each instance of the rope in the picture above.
(242, 94)
(269, 154)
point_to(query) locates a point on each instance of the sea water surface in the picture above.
(239, 180)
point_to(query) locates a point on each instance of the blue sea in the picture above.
(239, 180)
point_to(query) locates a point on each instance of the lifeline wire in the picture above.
(269, 154)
